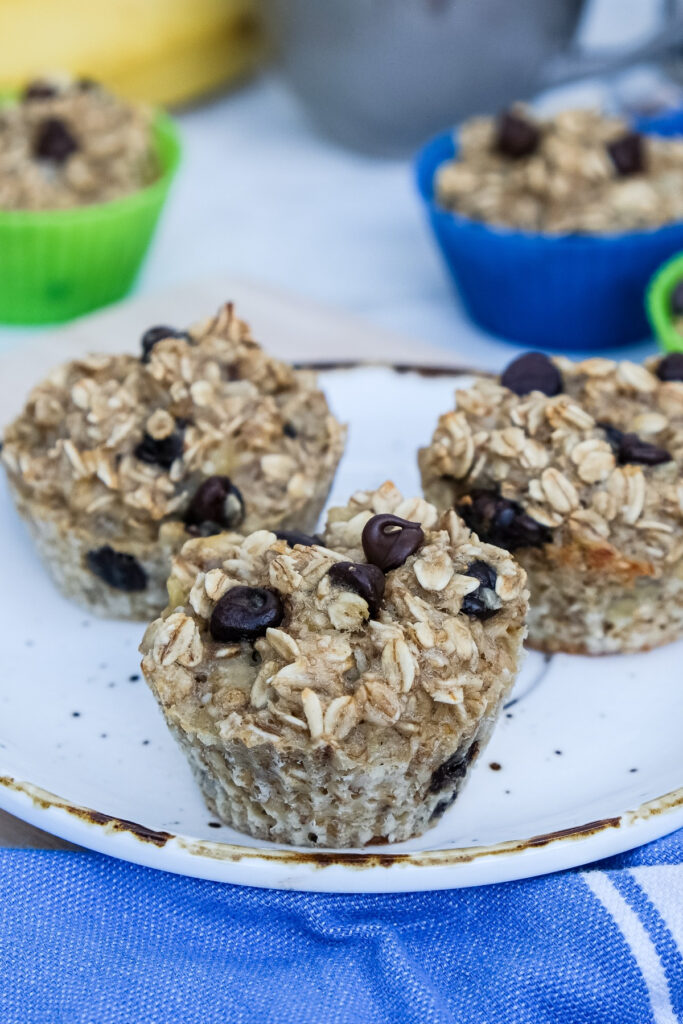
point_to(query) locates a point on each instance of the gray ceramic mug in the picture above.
(381, 75)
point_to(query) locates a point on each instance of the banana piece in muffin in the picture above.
(335, 691)
(117, 460)
(576, 469)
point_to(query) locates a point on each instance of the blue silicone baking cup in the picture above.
(563, 292)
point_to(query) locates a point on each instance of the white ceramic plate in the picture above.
(585, 761)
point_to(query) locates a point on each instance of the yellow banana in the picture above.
(159, 51)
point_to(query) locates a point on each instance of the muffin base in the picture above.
(577, 609)
(63, 548)
(588, 599)
(324, 798)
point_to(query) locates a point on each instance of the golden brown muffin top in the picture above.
(590, 452)
(344, 652)
(67, 143)
(124, 444)
(578, 172)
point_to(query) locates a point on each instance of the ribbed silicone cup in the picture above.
(658, 303)
(58, 264)
(568, 292)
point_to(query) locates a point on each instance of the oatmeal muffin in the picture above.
(579, 172)
(576, 468)
(67, 143)
(334, 691)
(116, 460)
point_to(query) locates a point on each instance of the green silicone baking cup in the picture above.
(58, 264)
(658, 303)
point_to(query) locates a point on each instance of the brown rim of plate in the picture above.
(321, 858)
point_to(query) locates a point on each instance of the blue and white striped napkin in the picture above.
(89, 940)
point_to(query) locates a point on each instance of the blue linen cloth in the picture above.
(85, 939)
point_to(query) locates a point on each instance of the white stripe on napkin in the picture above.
(663, 884)
(639, 943)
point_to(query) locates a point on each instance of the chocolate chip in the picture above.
(515, 136)
(162, 451)
(294, 537)
(153, 335)
(482, 603)
(119, 570)
(634, 449)
(614, 435)
(245, 613)
(502, 521)
(443, 806)
(289, 430)
(453, 769)
(627, 153)
(38, 91)
(630, 449)
(388, 540)
(86, 84)
(671, 366)
(216, 503)
(363, 579)
(532, 372)
(54, 141)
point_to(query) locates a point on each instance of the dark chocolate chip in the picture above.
(217, 502)
(671, 366)
(453, 769)
(294, 537)
(119, 570)
(289, 430)
(627, 153)
(153, 335)
(86, 84)
(516, 137)
(388, 540)
(38, 91)
(634, 450)
(502, 521)
(245, 613)
(482, 602)
(532, 372)
(631, 449)
(362, 578)
(614, 435)
(163, 451)
(443, 806)
(54, 141)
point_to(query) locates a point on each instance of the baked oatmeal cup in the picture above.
(116, 460)
(576, 469)
(83, 179)
(552, 227)
(336, 691)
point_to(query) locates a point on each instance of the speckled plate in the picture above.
(585, 761)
